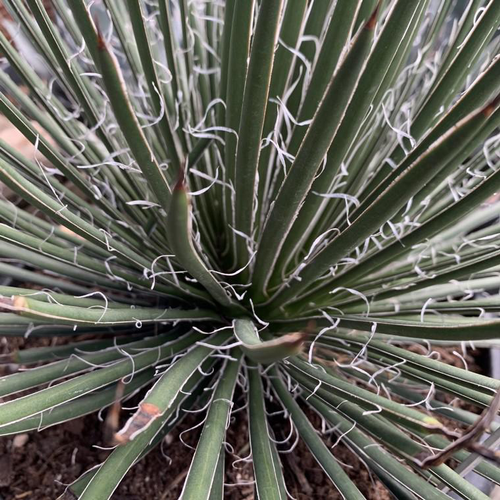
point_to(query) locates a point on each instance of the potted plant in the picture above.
(253, 195)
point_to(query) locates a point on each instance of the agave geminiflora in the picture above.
(226, 180)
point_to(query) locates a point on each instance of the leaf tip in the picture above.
(297, 338)
(295, 342)
(101, 43)
(19, 302)
(432, 422)
(372, 21)
(137, 423)
(181, 181)
(491, 107)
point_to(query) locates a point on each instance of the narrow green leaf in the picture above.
(179, 226)
(253, 113)
(270, 351)
(155, 94)
(23, 275)
(312, 376)
(453, 76)
(85, 94)
(290, 31)
(401, 444)
(56, 352)
(60, 213)
(315, 444)
(375, 456)
(401, 25)
(217, 491)
(165, 391)
(336, 39)
(22, 380)
(389, 202)
(204, 466)
(301, 174)
(237, 57)
(445, 219)
(166, 25)
(476, 95)
(121, 105)
(106, 479)
(78, 486)
(318, 16)
(269, 481)
(79, 407)
(104, 316)
(467, 329)
(33, 404)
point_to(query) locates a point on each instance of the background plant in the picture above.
(227, 183)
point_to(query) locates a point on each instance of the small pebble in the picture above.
(20, 440)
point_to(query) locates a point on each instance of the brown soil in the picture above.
(38, 465)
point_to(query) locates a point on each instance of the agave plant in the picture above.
(257, 205)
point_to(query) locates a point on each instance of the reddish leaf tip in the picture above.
(181, 181)
(491, 107)
(372, 21)
(297, 338)
(138, 422)
(101, 43)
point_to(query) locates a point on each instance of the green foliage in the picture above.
(256, 204)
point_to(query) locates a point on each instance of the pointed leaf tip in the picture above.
(181, 181)
(101, 43)
(372, 21)
(269, 351)
(295, 342)
(137, 423)
(491, 107)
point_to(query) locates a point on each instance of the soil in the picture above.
(37, 466)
